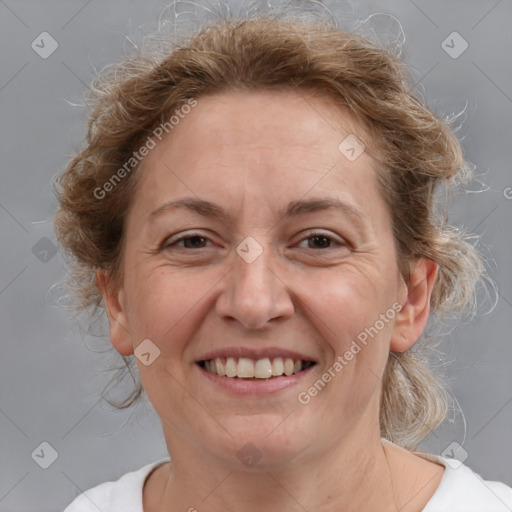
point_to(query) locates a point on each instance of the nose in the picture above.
(254, 294)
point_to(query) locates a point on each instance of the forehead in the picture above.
(275, 146)
(262, 119)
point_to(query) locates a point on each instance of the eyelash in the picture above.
(199, 235)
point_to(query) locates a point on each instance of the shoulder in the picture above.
(460, 489)
(463, 490)
(115, 496)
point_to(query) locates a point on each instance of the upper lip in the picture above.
(255, 353)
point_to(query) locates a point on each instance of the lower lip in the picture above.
(255, 386)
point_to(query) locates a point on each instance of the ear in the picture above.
(413, 317)
(113, 296)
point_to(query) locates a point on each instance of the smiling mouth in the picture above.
(244, 368)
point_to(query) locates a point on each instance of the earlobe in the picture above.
(413, 317)
(113, 297)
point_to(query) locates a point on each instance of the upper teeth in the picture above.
(259, 369)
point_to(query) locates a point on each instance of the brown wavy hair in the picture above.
(418, 153)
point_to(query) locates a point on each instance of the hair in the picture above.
(418, 155)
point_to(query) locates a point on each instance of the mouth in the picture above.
(243, 368)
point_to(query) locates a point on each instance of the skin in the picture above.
(253, 153)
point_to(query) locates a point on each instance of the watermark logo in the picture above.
(44, 45)
(249, 249)
(44, 250)
(146, 352)
(249, 455)
(455, 455)
(351, 147)
(45, 455)
(454, 45)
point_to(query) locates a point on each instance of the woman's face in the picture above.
(275, 275)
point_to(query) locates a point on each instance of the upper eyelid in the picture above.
(184, 236)
(311, 233)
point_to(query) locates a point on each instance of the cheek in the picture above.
(350, 299)
(165, 305)
(353, 312)
(164, 309)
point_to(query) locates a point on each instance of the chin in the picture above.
(262, 441)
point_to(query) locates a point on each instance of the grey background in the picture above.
(50, 377)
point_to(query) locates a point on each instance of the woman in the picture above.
(257, 211)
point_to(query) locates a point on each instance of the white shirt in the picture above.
(460, 490)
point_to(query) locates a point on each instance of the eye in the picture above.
(197, 241)
(190, 241)
(321, 240)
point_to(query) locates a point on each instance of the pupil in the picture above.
(190, 238)
(321, 237)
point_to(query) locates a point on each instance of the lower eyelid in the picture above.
(333, 240)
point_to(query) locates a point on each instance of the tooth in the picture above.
(213, 367)
(230, 367)
(245, 367)
(277, 367)
(263, 369)
(288, 366)
(219, 367)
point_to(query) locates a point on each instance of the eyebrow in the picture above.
(293, 209)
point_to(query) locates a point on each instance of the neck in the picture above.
(353, 475)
